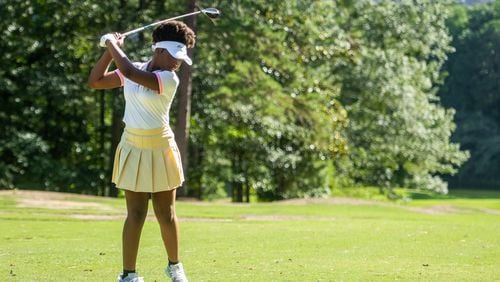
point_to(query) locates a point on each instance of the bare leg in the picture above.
(164, 207)
(137, 210)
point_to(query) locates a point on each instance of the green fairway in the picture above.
(61, 237)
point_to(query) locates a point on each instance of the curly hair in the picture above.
(175, 31)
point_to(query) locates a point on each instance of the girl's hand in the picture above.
(119, 38)
(105, 38)
(112, 37)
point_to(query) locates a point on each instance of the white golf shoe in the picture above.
(176, 272)
(131, 277)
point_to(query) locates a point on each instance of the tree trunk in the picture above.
(247, 188)
(184, 110)
(102, 133)
(116, 132)
(116, 123)
(239, 191)
(237, 183)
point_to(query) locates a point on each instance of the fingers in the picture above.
(105, 38)
(119, 38)
(113, 37)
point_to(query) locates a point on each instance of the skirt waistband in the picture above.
(156, 138)
(163, 131)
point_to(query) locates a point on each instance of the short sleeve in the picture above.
(120, 75)
(125, 80)
(167, 82)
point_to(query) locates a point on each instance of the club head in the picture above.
(211, 12)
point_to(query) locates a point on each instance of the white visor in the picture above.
(176, 49)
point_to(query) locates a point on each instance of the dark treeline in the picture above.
(473, 89)
(289, 98)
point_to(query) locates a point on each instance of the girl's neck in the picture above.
(153, 66)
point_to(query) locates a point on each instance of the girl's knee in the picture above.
(166, 215)
(137, 215)
(137, 206)
(164, 206)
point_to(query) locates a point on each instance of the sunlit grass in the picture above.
(324, 240)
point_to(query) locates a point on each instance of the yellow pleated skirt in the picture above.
(147, 160)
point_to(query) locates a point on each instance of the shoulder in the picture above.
(168, 81)
(167, 77)
(138, 65)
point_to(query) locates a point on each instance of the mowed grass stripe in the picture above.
(353, 243)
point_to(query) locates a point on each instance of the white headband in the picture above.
(176, 49)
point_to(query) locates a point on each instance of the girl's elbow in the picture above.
(92, 83)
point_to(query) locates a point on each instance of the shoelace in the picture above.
(176, 272)
(136, 279)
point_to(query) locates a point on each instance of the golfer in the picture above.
(147, 160)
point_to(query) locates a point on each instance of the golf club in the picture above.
(211, 13)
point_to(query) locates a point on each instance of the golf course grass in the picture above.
(65, 237)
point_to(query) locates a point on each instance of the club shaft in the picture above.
(158, 22)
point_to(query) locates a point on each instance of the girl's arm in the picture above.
(100, 78)
(145, 78)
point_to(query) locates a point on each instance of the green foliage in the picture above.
(273, 88)
(18, 151)
(398, 132)
(268, 115)
(44, 115)
(472, 88)
(51, 129)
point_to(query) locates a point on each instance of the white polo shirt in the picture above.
(146, 108)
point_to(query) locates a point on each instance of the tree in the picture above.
(267, 119)
(44, 109)
(472, 87)
(55, 132)
(184, 98)
(273, 88)
(399, 134)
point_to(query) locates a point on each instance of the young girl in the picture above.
(147, 160)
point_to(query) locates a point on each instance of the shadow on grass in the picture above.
(455, 194)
